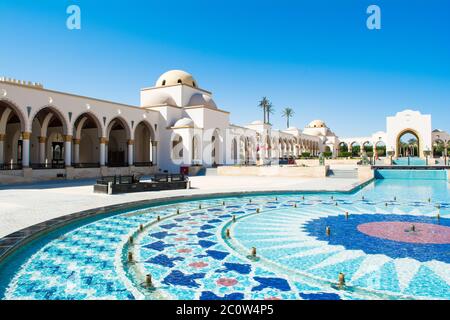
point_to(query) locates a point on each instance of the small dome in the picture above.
(184, 122)
(257, 122)
(317, 124)
(200, 99)
(175, 77)
(160, 98)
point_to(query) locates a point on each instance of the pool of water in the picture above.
(412, 161)
(411, 174)
(189, 256)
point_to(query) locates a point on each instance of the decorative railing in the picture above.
(143, 164)
(117, 164)
(48, 166)
(10, 166)
(86, 165)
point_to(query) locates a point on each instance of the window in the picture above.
(179, 81)
(193, 84)
(164, 82)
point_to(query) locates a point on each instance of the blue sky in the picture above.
(317, 57)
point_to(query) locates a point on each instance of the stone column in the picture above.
(26, 149)
(130, 144)
(154, 157)
(68, 150)
(42, 143)
(2, 145)
(103, 151)
(150, 150)
(76, 151)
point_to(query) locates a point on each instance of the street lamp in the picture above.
(427, 153)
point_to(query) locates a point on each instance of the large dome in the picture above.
(183, 123)
(160, 98)
(317, 124)
(200, 99)
(174, 77)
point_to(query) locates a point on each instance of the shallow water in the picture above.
(189, 257)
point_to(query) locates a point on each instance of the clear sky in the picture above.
(317, 57)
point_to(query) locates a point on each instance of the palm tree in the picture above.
(288, 113)
(269, 110)
(263, 105)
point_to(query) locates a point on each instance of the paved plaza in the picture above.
(26, 205)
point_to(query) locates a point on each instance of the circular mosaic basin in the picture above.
(185, 249)
(421, 233)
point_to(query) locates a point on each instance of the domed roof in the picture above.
(200, 99)
(174, 77)
(160, 98)
(257, 122)
(184, 122)
(317, 124)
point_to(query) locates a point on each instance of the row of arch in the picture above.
(247, 150)
(49, 141)
(192, 149)
(356, 148)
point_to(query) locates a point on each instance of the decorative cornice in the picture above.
(67, 138)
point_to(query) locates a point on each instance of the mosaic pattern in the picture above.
(189, 257)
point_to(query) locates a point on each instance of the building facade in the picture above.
(46, 133)
(176, 124)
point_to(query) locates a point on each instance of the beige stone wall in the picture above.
(365, 173)
(330, 162)
(278, 171)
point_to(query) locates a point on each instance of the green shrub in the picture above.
(328, 154)
(306, 154)
(345, 154)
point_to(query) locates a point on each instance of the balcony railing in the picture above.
(143, 164)
(48, 166)
(10, 166)
(116, 164)
(86, 165)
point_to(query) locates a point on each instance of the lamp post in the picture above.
(427, 153)
(391, 154)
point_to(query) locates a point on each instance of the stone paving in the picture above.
(24, 205)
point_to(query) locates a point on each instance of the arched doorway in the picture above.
(380, 149)
(408, 144)
(196, 152)
(234, 151)
(343, 149)
(118, 134)
(143, 145)
(215, 148)
(11, 144)
(86, 141)
(438, 148)
(48, 137)
(368, 148)
(177, 148)
(355, 149)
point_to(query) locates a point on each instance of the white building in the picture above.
(44, 133)
(405, 122)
